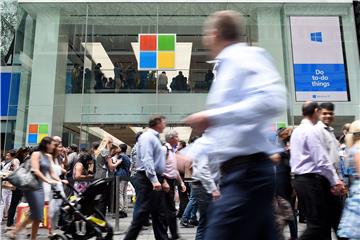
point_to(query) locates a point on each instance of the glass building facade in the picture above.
(77, 64)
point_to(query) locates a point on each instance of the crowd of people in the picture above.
(130, 79)
(233, 182)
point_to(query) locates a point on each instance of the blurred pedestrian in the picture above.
(349, 226)
(244, 98)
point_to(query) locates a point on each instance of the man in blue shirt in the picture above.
(150, 166)
(123, 171)
(243, 101)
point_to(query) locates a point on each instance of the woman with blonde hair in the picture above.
(103, 166)
(350, 225)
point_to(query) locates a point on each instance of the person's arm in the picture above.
(113, 166)
(147, 148)
(204, 174)
(318, 154)
(35, 167)
(16, 163)
(78, 169)
(357, 162)
(65, 160)
(265, 96)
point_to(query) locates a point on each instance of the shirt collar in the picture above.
(169, 146)
(156, 133)
(228, 50)
(306, 121)
(330, 129)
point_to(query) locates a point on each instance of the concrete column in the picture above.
(47, 87)
(25, 57)
(270, 38)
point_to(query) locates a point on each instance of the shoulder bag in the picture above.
(23, 178)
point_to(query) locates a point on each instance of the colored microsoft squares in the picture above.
(37, 132)
(166, 42)
(148, 60)
(166, 60)
(157, 51)
(32, 138)
(41, 136)
(33, 128)
(43, 128)
(148, 42)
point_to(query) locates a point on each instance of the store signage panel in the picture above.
(318, 59)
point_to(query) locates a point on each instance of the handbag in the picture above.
(23, 178)
(349, 226)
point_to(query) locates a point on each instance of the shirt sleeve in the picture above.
(264, 96)
(318, 154)
(147, 149)
(204, 174)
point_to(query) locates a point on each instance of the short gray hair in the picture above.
(170, 135)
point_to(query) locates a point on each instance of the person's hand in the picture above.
(198, 121)
(216, 195)
(52, 182)
(182, 187)
(275, 158)
(166, 186)
(338, 189)
(65, 181)
(157, 186)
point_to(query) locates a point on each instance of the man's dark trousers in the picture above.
(244, 210)
(150, 202)
(204, 201)
(184, 198)
(171, 220)
(322, 209)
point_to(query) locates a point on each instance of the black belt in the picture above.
(196, 183)
(160, 177)
(229, 165)
(310, 175)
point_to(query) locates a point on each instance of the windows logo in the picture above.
(316, 37)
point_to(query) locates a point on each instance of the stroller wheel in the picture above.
(59, 237)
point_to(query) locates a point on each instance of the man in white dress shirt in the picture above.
(331, 145)
(244, 98)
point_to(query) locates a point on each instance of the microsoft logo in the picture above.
(157, 51)
(316, 37)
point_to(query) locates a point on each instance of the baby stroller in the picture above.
(82, 220)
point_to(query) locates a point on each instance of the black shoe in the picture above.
(194, 222)
(147, 224)
(186, 224)
(122, 214)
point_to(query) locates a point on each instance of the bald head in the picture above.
(57, 139)
(228, 25)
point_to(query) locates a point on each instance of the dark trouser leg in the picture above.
(152, 202)
(104, 200)
(15, 199)
(184, 199)
(171, 209)
(313, 195)
(203, 200)
(245, 206)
